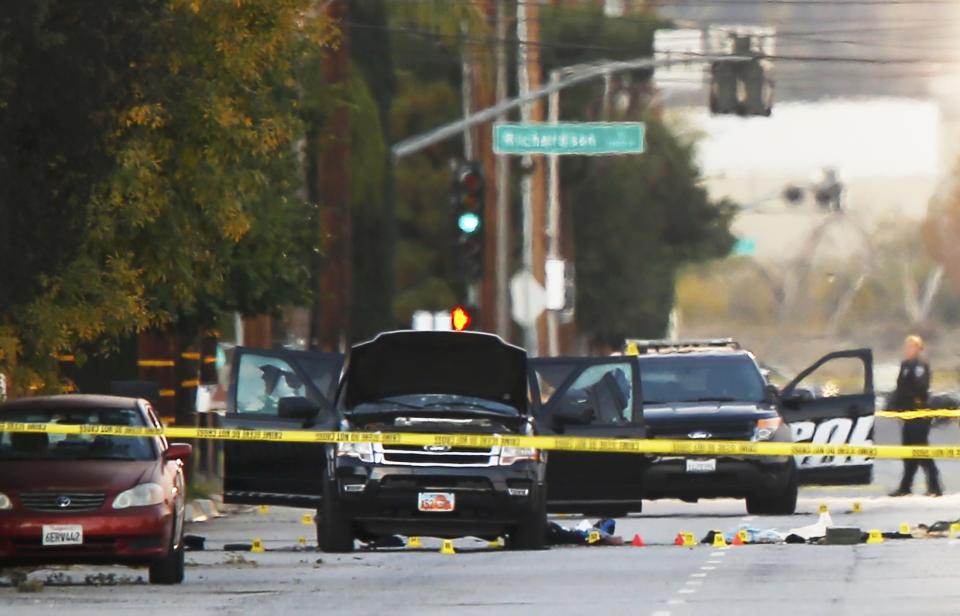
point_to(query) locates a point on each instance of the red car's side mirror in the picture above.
(178, 451)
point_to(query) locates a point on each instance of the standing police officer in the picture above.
(913, 386)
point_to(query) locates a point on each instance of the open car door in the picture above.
(591, 397)
(833, 402)
(278, 390)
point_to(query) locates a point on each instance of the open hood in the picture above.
(454, 363)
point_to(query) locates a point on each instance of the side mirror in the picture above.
(577, 415)
(771, 395)
(296, 407)
(796, 396)
(178, 451)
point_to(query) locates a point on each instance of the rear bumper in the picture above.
(135, 536)
(383, 499)
(733, 478)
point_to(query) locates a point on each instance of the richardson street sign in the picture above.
(582, 138)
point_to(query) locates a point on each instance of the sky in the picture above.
(859, 138)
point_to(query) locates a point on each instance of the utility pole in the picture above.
(494, 228)
(502, 209)
(330, 316)
(534, 177)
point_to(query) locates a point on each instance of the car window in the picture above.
(43, 446)
(696, 379)
(262, 381)
(841, 376)
(605, 387)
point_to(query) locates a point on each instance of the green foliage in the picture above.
(148, 167)
(423, 200)
(636, 220)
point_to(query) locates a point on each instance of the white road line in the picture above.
(749, 518)
(686, 591)
(718, 553)
(694, 582)
(707, 568)
(698, 575)
(661, 613)
(675, 601)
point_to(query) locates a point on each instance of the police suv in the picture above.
(713, 389)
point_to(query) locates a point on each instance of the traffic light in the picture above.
(741, 86)
(468, 189)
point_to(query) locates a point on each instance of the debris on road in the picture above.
(602, 532)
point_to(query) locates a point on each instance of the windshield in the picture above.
(700, 379)
(433, 402)
(42, 446)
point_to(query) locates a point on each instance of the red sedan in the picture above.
(91, 498)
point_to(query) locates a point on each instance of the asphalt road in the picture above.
(915, 576)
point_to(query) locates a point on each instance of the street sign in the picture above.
(583, 138)
(528, 299)
(745, 247)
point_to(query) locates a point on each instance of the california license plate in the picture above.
(62, 534)
(701, 466)
(436, 501)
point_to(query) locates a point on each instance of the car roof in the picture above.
(697, 352)
(74, 401)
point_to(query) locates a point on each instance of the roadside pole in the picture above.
(553, 214)
(503, 189)
(530, 341)
(533, 183)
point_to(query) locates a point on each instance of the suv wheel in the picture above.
(783, 502)
(334, 528)
(170, 568)
(531, 532)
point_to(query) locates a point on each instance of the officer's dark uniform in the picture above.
(913, 385)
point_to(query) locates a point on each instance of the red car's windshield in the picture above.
(42, 446)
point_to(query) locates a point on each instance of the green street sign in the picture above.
(583, 138)
(745, 247)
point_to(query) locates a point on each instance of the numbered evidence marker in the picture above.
(263, 509)
(306, 519)
(875, 536)
(257, 546)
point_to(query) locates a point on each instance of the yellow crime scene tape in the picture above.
(665, 447)
(920, 414)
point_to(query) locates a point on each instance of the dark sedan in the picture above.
(91, 498)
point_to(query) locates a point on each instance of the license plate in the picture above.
(701, 466)
(436, 501)
(62, 534)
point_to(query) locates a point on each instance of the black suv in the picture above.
(427, 382)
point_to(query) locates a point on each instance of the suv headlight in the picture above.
(361, 451)
(766, 428)
(143, 495)
(5, 502)
(509, 455)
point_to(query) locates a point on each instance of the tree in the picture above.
(636, 221)
(161, 135)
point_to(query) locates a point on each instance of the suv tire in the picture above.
(334, 529)
(783, 502)
(169, 569)
(531, 532)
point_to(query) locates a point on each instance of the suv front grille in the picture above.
(51, 502)
(413, 455)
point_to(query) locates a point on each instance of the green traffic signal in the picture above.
(468, 222)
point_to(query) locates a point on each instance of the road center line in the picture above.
(698, 575)
(707, 568)
(687, 591)
(661, 613)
